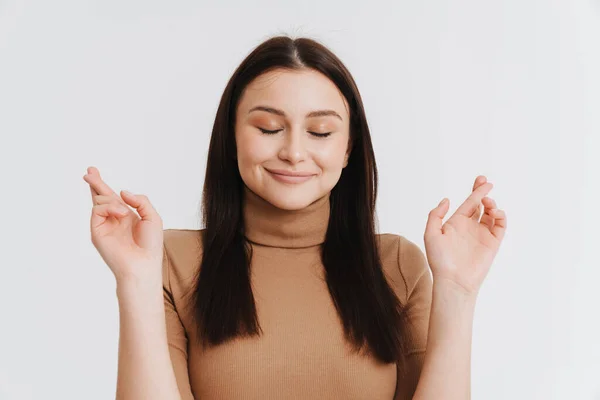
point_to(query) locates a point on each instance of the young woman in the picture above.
(288, 292)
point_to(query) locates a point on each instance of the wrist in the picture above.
(453, 288)
(452, 314)
(139, 288)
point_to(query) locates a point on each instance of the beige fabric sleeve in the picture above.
(176, 335)
(415, 269)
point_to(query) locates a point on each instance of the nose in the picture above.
(293, 148)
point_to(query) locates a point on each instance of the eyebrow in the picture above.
(316, 113)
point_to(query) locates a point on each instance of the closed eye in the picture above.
(269, 132)
(321, 135)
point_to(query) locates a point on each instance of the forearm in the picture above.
(446, 372)
(145, 370)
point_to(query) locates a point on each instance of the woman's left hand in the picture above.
(461, 251)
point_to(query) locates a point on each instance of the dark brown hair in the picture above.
(223, 303)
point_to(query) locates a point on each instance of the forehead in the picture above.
(295, 92)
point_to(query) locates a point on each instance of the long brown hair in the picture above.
(223, 303)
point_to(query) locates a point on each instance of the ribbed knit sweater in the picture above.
(302, 352)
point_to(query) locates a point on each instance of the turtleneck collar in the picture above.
(268, 225)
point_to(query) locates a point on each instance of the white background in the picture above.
(452, 89)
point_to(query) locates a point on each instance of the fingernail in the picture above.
(128, 193)
(442, 202)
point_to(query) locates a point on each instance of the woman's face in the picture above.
(297, 106)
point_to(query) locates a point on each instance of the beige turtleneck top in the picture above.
(302, 353)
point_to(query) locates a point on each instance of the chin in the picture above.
(290, 199)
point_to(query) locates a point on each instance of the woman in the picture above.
(288, 292)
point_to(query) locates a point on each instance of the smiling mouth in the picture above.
(289, 178)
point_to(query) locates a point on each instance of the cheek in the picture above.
(252, 148)
(330, 156)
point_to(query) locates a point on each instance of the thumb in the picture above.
(436, 217)
(143, 206)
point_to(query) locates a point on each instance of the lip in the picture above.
(289, 177)
(289, 173)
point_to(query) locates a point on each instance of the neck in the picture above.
(268, 225)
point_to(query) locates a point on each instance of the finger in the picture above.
(100, 199)
(488, 202)
(143, 206)
(94, 194)
(92, 190)
(487, 219)
(469, 206)
(476, 213)
(499, 228)
(103, 211)
(96, 182)
(435, 219)
(480, 180)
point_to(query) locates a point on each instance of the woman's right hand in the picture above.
(131, 246)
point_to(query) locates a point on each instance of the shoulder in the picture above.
(183, 240)
(403, 262)
(182, 256)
